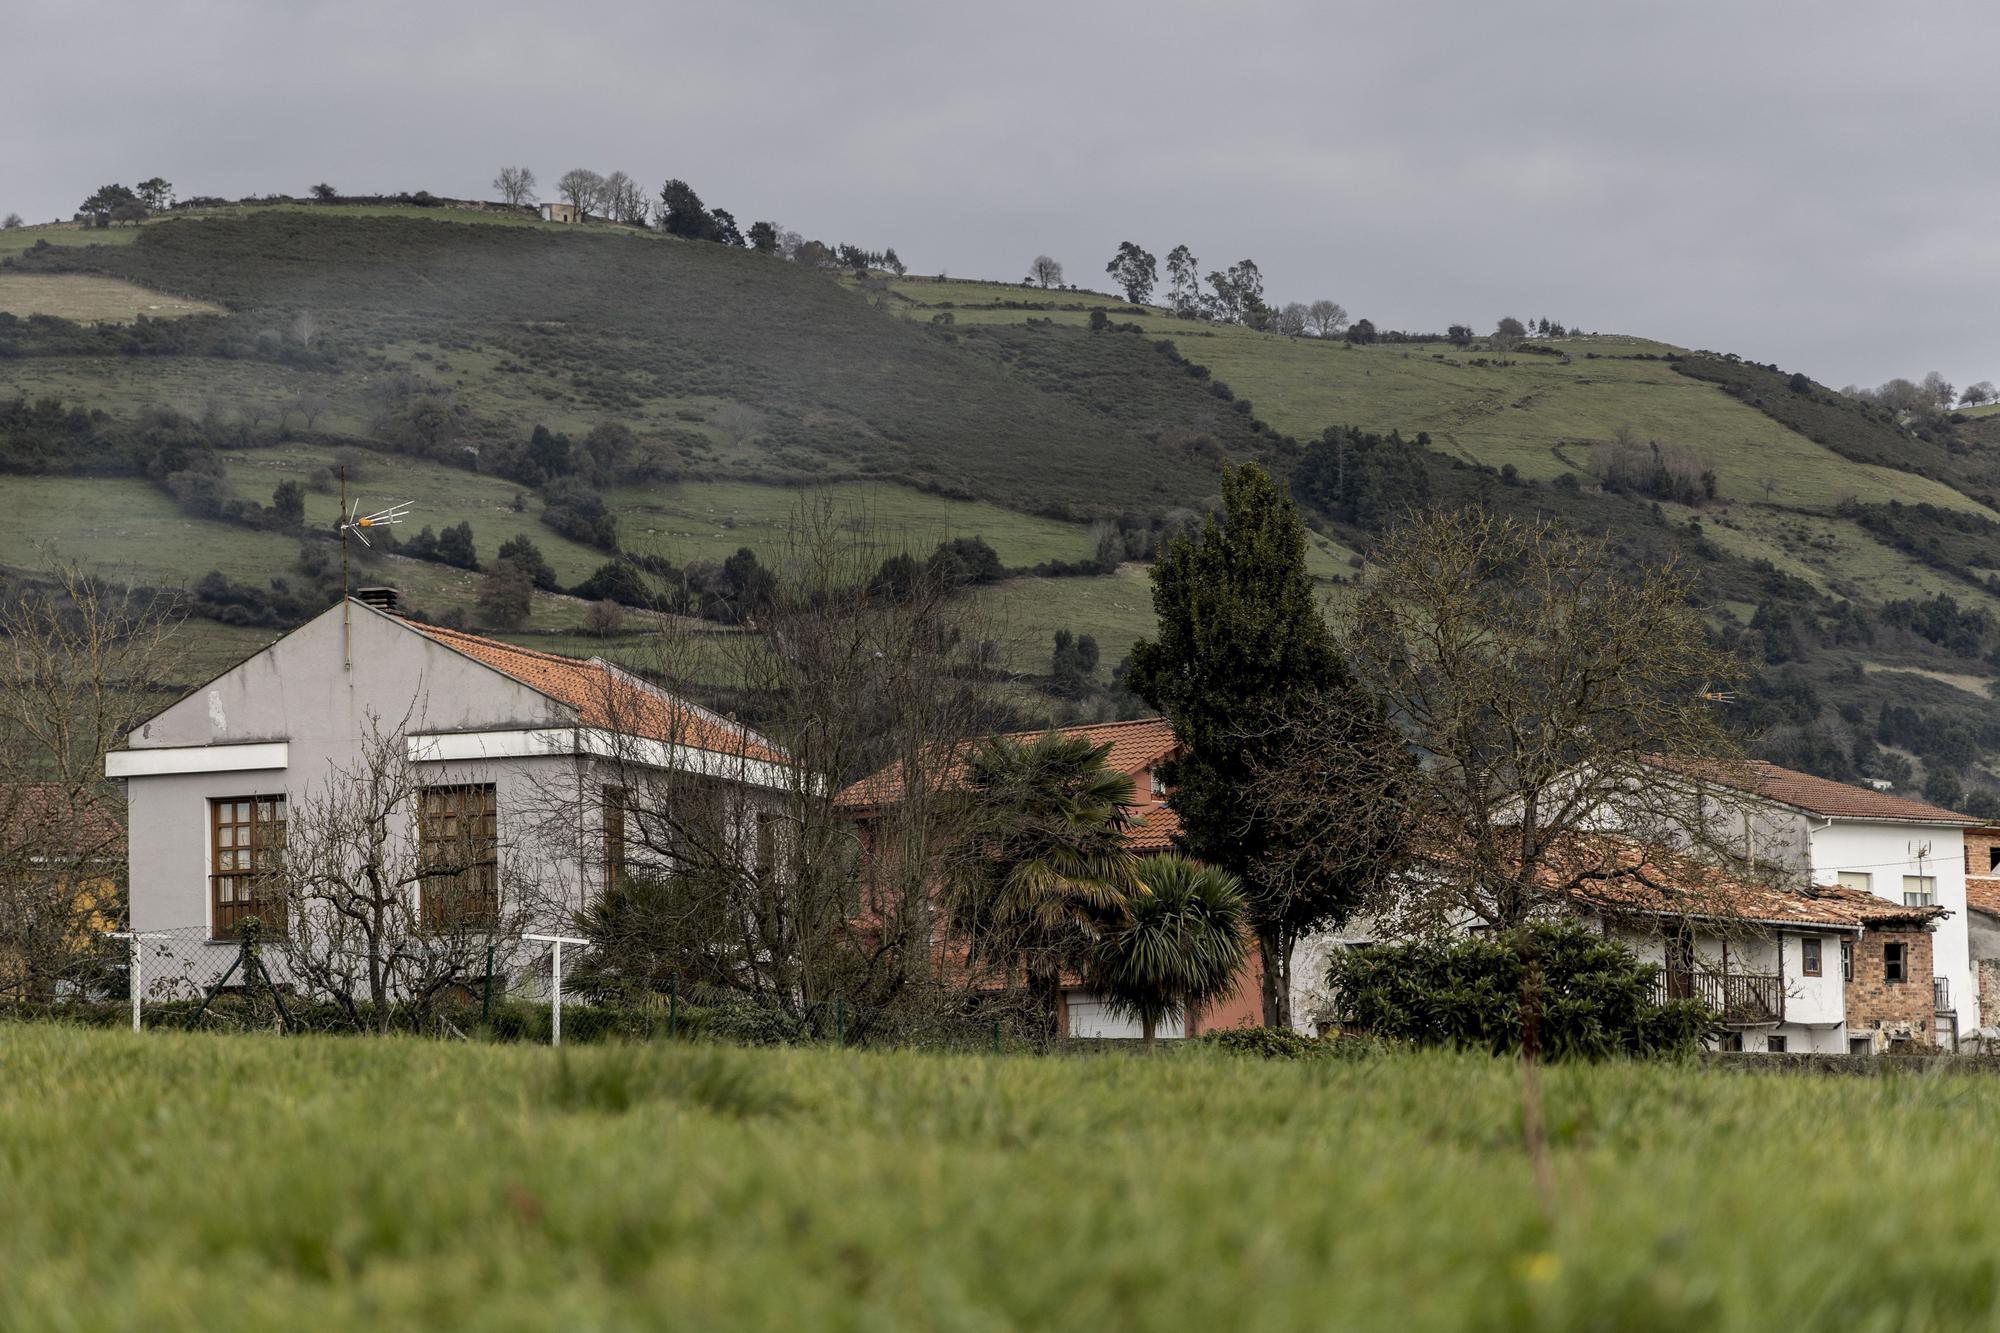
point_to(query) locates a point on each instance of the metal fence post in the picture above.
(555, 988)
(136, 966)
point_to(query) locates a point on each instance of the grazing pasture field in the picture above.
(190, 1181)
(90, 300)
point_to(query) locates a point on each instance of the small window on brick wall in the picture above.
(1993, 859)
(1809, 951)
(1847, 960)
(1895, 962)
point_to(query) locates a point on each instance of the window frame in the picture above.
(1895, 973)
(1862, 880)
(1847, 960)
(1922, 897)
(1774, 1043)
(262, 814)
(466, 898)
(1812, 956)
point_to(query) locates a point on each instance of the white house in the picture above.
(1904, 852)
(494, 733)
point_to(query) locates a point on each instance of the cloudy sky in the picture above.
(1811, 184)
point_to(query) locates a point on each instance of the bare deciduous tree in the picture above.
(741, 862)
(1541, 686)
(1327, 318)
(1045, 271)
(81, 664)
(390, 888)
(581, 188)
(516, 186)
(1291, 320)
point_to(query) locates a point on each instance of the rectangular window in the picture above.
(1729, 1041)
(1809, 952)
(1895, 962)
(246, 848)
(614, 835)
(459, 852)
(1859, 880)
(1775, 1044)
(1919, 890)
(1861, 1046)
(767, 844)
(1156, 784)
(1993, 859)
(1847, 960)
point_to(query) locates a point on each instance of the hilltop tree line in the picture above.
(1934, 395)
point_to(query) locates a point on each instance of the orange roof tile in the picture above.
(1136, 746)
(1825, 797)
(1683, 887)
(608, 697)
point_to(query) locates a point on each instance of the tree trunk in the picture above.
(1045, 988)
(1275, 950)
(1151, 1028)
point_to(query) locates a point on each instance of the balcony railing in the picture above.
(1941, 995)
(1743, 999)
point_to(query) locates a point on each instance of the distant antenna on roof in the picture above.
(354, 521)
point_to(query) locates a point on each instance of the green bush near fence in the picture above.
(1593, 997)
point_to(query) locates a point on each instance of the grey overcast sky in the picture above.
(1809, 183)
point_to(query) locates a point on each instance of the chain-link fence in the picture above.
(189, 980)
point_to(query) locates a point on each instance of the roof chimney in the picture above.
(382, 599)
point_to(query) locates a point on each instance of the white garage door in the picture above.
(1092, 1017)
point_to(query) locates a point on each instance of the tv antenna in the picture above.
(354, 521)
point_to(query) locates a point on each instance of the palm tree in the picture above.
(1047, 868)
(1185, 938)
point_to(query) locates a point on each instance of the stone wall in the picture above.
(1885, 1010)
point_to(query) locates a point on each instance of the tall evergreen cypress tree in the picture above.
(1241, 645)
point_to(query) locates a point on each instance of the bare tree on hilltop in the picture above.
(516, 186)
(1045, 271)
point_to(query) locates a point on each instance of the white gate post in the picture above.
(555, 989)
(136, 979)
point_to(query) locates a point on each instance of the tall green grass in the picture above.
(175, 1181)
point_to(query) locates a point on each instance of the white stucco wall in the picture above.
(298, 692)
(1887, 852)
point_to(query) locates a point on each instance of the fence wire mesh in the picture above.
(185, 978)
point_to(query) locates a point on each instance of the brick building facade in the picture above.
(1888, 989)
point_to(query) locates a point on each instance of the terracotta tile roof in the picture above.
(32, 813)
(1681, 886)
(1825, 797)
(1983, 892)
(604, 696)
(1135, 747)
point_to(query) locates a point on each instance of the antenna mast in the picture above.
(354, 521)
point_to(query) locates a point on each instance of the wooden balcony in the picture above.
(1743, 999)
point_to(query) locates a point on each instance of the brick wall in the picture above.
(1980, 844)
(1880, 1008)
(1989, 988)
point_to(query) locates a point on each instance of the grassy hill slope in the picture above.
(422, 348)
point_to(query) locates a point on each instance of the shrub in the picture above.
(1596, 996)
(1267, 1043)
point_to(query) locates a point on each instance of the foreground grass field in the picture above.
(204, 1182)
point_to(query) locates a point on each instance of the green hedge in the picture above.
(1595, 996)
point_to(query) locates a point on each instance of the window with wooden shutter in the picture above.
(458, 843)
(246, 851)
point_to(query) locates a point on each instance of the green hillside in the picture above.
(700, 393)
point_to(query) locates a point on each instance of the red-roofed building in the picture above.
(1906, 852)
(491, 728)
(1139, 749)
